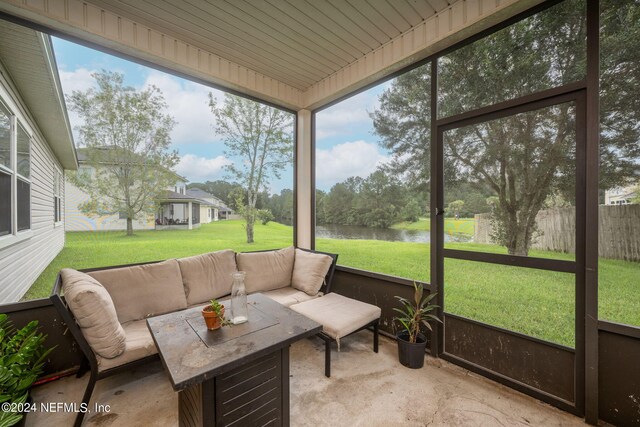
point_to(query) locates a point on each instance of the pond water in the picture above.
(333, 231)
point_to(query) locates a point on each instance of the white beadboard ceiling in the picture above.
(297, 42)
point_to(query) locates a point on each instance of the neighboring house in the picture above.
(222, 210)
(181, 211)
(209, 211)
(621, 195)
(79, 221)
(36, 146)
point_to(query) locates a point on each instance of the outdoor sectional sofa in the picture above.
(106, 309)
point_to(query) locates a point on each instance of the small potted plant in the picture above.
(22, 357)
(411, 342)
(213, 315)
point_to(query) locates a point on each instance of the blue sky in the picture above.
(346, 144)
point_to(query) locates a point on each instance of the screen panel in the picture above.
(509, 184)
(372, 174)
(619, 210)
(533, 302)
(541, 52)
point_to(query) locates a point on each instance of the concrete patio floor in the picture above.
(366, 389)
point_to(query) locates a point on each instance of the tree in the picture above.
(525, 158)
(411, 211)
(456, 206)
(265, 216)
(404, 126)
(125, 134)
(281, 206)
(261, 139)
(379, 201)
(492, 201)
(340, 202)
(636, 195)
(321, 208)
(474, 197)
(619, 93)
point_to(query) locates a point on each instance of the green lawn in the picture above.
(451, 225)
(534, 302)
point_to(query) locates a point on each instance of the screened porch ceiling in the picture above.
(298, 54)
(298, 43)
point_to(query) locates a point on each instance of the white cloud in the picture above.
(342, 118)
(187, 101)
(79, 79)
(189, 105)
(199, 169)
(357, 158)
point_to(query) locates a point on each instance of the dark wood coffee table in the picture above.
(237, 375)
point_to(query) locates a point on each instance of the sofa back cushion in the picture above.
(309, 271)
(95, 313)
(207, 276)
(144, 290)
(267, 270)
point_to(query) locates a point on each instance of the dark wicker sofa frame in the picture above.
(90, 362)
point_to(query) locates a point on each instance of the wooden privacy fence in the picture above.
(618, 236)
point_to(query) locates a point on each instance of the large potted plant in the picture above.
(413, 314)
(22, 356)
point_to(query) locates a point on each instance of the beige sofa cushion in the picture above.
(207, 276)
(309, 271)
(267, 270)
(338, 314)
(289, 296)
(139, 344)
(95, 313)
(144, 290)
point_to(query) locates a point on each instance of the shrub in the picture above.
(22, 356)
(264, 216)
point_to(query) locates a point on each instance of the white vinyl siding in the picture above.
(24, 256)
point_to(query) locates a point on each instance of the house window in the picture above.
(57, 198)
(122, 215)
(23, 186)
(5, 172)
(15, 173)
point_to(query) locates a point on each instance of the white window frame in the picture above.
(58, 182)
(17, 236)
(10, 170)
(22, 178)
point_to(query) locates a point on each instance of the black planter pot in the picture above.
(411, 355)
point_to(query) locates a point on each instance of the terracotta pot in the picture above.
(211, 318)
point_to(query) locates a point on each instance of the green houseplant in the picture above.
(413, 315)
(22, 356)
(213, 315)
